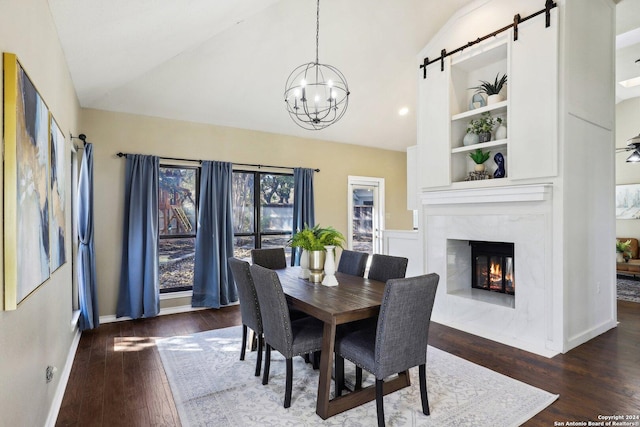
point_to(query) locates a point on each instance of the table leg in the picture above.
(326, 360)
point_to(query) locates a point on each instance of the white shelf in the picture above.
(481, 145)
(478, 111)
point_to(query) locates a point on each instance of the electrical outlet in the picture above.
(51, 370)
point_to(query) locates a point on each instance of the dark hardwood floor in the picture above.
(117, 377)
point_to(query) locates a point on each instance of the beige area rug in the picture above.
(212, 387)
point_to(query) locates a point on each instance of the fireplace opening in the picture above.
(492, 266)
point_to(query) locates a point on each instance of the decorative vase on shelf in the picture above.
(484, 137)
(469, 139)
(494, 99)
(316, 266)
(304, 264)
(500, 172)
(479, 167)
(501, 132)
(330, 267)
(477, 101)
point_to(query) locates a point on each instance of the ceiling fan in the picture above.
(633, 144)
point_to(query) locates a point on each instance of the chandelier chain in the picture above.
(317, 30)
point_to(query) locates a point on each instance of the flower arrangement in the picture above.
(624, 248)
(483, 124)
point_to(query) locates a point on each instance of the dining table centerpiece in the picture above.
(318, 245)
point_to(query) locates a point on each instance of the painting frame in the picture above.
(628, 201)
(26, 185)
(57, 197)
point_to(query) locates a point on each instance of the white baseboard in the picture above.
(54, 410)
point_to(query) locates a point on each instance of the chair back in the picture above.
(276, 322)
(385, 267)
(403, 324)
(353, 263)
(249, 305)
(271, 258)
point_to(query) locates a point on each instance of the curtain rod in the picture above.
(235, 164)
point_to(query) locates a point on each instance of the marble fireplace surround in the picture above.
(519, 214)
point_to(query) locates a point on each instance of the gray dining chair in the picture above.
(385, 267)
(249, 307)
(399, 340)
(353, 263)
(272, 258)
(290, 338)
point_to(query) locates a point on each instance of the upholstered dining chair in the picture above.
(353, 262)
(385, 267)
(249, 307)
(398, 341)
(290, 338)
(272, 258)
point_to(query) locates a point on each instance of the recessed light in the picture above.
(403, 111)
(631, 82)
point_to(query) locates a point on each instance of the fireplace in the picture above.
(492, 266)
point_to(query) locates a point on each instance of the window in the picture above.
(177, 214)
(262, 211)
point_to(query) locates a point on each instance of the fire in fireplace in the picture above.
(492, 266)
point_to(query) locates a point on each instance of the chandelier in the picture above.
(317, 95)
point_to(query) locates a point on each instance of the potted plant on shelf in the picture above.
(482, 127)
(492, 89)
(623, 250)
(479, 157)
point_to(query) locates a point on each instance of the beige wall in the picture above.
(39, 332)
(115, 132)
(627, 126)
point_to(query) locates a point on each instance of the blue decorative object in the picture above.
(499, 159)
(477, 101)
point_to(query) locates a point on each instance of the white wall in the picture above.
(39, 332)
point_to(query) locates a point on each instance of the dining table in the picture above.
(354, 298)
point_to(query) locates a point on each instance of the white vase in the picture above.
(304, 264)
(619, 257)
(470, 139)
(494, 99)
(330, 267)
(479, 168)
(501, 132)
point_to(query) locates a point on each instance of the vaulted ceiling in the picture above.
(225, 62)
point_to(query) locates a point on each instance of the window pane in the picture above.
(243, 220)
(242, 246)
(276, 202)
(176, 263)
(177, 201)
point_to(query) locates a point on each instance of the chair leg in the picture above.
(288, 384)
(379, 404)
(267, 364)
(244, 342)
(316, 359)
(358, 385)
(423, 389)
(259, 356)
(339, 375)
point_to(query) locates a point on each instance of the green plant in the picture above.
(623, 247)
(483, 124)
(316, 238)
(479, 157)
(489, 88)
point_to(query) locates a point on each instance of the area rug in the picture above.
(212, 387)
(629, 290)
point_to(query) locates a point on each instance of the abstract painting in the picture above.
(628, 201)
(57, 230)
(26, 185)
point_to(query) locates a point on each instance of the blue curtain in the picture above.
(139, 290)
(303, 208)
(89, 317)
(213, 285)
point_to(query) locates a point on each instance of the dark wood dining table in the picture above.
(354, 298)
